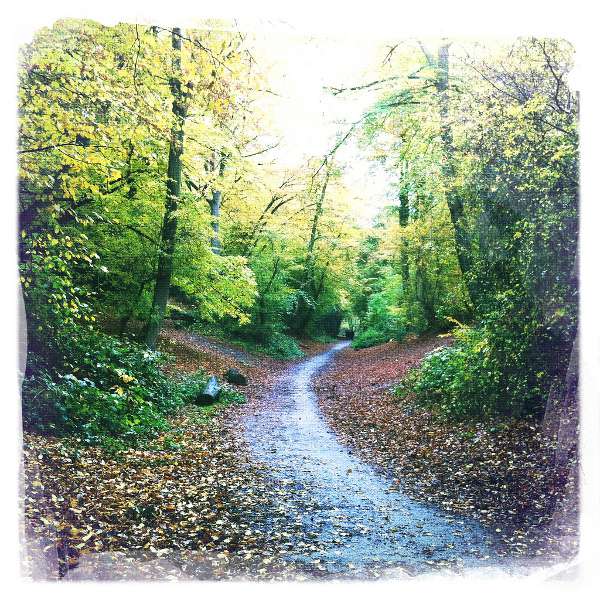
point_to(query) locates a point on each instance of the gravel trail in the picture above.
(363, 525)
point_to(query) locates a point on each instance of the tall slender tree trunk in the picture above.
(303, 310)
(215, 211)
(164, 270)
(315, 224)
(403, 212)
(453, 199)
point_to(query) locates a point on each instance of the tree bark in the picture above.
(211, 391)
(315, 223)
(164, 270)
(403, 212)
(215, 211)
(303, 310)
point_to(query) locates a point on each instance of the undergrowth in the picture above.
(101, 390)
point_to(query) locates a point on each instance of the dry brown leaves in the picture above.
(501, 473)
(190, 512)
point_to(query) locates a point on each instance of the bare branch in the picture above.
(261, 151)
(388, 56)
(335, 91)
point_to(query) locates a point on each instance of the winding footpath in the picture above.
(361, 523)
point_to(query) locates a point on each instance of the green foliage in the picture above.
(277, 345)
(229, 395)
(50, 260)
(405, 387)
(189, 386)
(368, 338)
(281, 346)
(106, 391)
(505, 366)
(459, 381)
(505, 168)
(384, 319)
(98, 388)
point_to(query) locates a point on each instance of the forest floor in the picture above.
(183, 508)
(212, 500)
(499, 472)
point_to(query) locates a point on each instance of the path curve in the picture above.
(362, 524)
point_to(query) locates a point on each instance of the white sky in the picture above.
(306, 117)
(309, 118)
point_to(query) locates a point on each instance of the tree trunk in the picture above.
(215, 211)
(210, 393)
(164, 270)
(561, 424)
(453, 199)
(303, 310)
(316, 218)
(403, 213)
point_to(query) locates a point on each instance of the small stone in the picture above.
(234, 376)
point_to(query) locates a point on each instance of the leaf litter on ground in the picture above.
(194, 506)
(501, 472)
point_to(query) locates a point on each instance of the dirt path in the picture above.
(269, 490)
(498, 471)
(359, 522)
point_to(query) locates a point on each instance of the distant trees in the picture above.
(117, 214)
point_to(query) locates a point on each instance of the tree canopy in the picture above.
(151, 188)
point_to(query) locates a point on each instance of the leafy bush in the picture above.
(384, 320)
(99, 388)
(460, 381)
(370, 337)
(230, 395)
(407, 384)
(190, 386)
(106, 391)
(505, 366)
(275, 344)
(325, 338)
(281, 346)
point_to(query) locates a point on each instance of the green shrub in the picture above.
(107, 391)
(370, 337)
(384, 319)
(324, 338)
(189, 386)
(407, 384)
(450, 380)
(460, 381)
(230, 395)
(281, 346)
(99, 388)
(490, 370)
